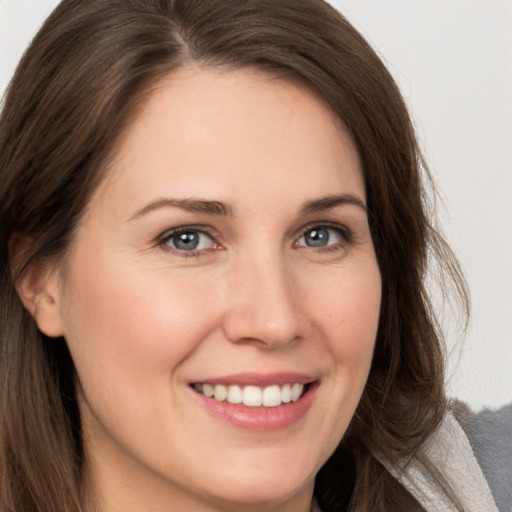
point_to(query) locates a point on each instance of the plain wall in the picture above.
(453, 62)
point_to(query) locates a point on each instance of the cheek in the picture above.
(346, 307)
(127, 325)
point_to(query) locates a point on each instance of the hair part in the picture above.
(79, 84)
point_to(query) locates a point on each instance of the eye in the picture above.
(323, 236)
(187, 240)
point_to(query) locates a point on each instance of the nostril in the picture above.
(264, 309)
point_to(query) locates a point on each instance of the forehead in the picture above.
(219, 129)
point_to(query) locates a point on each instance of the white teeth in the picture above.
(272, 396)
(286, 393)
(220, 393)
(297, 391)
(235, 395)
(252, 396)
(208, 390)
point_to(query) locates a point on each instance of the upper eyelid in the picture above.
(165, 237)
(187, 227)
(326, 224)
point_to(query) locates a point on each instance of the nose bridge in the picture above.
(264, 305)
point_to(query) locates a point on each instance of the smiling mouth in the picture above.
(253, 396)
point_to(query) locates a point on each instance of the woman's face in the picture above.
(227, 251)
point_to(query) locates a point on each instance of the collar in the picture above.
(450, 451)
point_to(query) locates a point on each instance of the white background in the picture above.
(453, 61)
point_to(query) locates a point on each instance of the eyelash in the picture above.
(345, 233)
(347, 236)
(165, 237)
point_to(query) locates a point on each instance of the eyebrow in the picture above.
(329, 202)
(209, 207)
(192, 205)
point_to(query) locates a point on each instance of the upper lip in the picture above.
(259, 379)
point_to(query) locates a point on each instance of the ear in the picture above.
(38, 289)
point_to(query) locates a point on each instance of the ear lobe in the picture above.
(38, 289)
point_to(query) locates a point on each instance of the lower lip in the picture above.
(260, 418)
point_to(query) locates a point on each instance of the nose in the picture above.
(263, 304)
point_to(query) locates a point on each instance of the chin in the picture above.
(258, 493)
(267, 482)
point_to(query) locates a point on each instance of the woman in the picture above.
(214, 242)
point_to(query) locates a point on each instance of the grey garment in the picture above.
(473, 452)
(490, 435)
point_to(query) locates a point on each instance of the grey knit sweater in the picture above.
(490, 435)
(473, 454)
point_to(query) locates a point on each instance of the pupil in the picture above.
(317, 238)
(187, 241)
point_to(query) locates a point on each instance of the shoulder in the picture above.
(466, 464)
(490, 435)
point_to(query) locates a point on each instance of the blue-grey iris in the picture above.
(186, 241)
(318, 237)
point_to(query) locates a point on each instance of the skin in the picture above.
(144, 319)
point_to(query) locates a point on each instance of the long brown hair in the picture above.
(74, 91)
